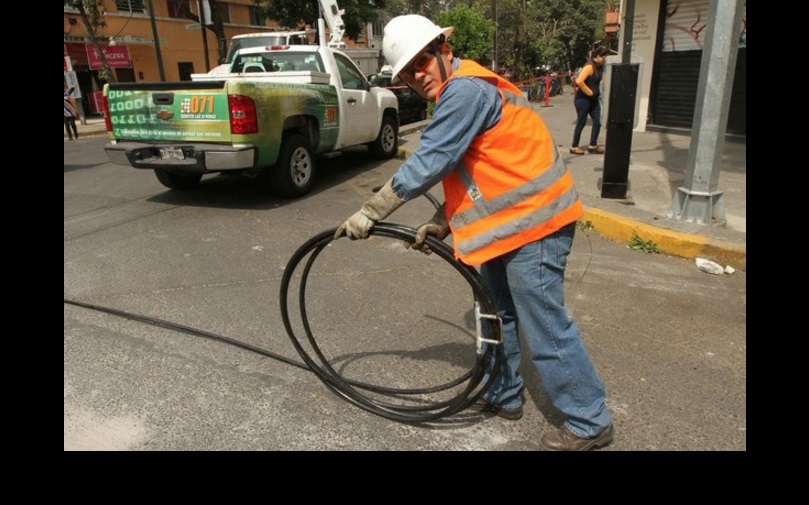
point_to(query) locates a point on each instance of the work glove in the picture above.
(378, 207)
(437, 227)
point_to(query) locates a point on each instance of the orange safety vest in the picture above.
(511, 186)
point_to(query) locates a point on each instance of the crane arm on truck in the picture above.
(333, 15)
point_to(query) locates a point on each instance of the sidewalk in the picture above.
(658, 163)
(94, 126)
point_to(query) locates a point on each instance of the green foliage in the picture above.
(538, 34)
(89, 11)
(473, 34)
(531, 34)
(105, 74)
(585, 226)
(295, 15)
(647, 246)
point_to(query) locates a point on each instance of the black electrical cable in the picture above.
(161, 323)
(477, 377)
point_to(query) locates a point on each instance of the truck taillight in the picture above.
(105, 109)
(243, 115)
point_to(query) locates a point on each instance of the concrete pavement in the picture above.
(658, 164)
(669, 341)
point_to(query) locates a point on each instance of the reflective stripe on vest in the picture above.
(511, 187)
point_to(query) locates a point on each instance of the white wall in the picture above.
(644, 36)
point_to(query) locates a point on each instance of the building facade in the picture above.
(667, 41)
(128, 42)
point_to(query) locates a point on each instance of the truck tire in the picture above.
(422, 115)
(386, 144)
(294, 173)
(173, 180)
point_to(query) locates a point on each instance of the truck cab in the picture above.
(260, 39)
(299, 38)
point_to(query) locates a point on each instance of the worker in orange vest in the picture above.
(511, 206)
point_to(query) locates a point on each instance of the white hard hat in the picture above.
(405, 37)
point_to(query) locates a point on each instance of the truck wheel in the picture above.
(177, 181)
(386, 144)
(422, 113)
(294, 173)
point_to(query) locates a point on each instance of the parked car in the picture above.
(412, 107)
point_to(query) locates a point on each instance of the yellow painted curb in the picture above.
(685, 245)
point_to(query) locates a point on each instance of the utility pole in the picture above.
(494, 49)
(699, 200)
(202, 26)
(156, 43)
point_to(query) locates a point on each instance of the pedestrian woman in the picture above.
(70, 115)
(586, 100)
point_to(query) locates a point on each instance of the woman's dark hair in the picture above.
(601, 51)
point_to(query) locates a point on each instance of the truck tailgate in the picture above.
(166, 112)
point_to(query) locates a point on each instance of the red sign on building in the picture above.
(96, 102)
(117, 56)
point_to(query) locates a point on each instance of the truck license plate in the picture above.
(172, 153)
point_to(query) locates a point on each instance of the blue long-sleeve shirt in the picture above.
(468, 107)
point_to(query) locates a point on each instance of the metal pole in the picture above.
(629, 15)
(494, 49)
(156, 43)
(699, 199)
(204, 36)
(621, 115)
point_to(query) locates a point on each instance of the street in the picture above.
(668, 340)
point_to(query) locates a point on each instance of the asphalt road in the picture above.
(668, 340)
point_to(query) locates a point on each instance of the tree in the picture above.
(473, 34)
(297, 14)
(580, 28)
(530, 34)
(92, 19)
(534, 34)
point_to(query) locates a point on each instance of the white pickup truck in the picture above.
(269, 117)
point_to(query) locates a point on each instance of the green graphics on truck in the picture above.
(204, 114)
(179, 115)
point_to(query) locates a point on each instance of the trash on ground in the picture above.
(712, 267)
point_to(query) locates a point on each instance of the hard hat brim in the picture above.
(405, 61)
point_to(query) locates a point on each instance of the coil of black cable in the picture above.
(476, 379)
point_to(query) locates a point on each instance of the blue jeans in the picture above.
(586, 106)
(527, 286)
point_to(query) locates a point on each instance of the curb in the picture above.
(685, 245)
(91, 133)
(676, 243)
